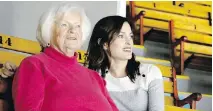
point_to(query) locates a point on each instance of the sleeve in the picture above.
(28, 86)
(156, 90)
(102, 83)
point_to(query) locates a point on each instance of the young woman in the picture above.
(132, 85)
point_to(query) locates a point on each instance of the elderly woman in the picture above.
(53, 80)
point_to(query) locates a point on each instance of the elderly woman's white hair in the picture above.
(44, 29)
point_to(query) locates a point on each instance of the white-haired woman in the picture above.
(53, 80)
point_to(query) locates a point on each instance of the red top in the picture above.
(51, 81)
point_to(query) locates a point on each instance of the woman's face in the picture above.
(67, 32)
(122, 44)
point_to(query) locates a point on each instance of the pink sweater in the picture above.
(51, 81)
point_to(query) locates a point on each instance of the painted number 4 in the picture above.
(8, 41)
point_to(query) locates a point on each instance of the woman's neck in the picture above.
(65, 51)
(118, 68)
(68, 52)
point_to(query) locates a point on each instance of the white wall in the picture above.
(5, 17)
(20, 19)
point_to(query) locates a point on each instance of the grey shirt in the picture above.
(146, 94)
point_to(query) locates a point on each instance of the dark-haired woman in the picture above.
(132, 85)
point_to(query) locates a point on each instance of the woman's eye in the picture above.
(120, 36)
(64, 25)
(78, 26)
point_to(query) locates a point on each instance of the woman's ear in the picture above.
(105, 46)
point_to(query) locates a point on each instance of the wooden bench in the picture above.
(174, 8)
(191, 54)
(209, 3)
(193, 6)
(190, 38)
(195, 28)
(198, 45)
(197, 42)
(198, 22)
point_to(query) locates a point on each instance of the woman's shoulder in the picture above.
(34, 59)
(94, 73)
(150, 71)
(97, 76)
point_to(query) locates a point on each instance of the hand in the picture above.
(8, 70)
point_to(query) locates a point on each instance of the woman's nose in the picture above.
(127, 42)
(71, 30)
(128, 39)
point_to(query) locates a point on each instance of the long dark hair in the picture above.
(104, 32)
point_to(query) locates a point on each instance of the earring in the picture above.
(105, 48)
(106, 71)
(48, 44)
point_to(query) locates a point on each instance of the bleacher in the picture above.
(177, 32)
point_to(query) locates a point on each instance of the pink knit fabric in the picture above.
(51, 81)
